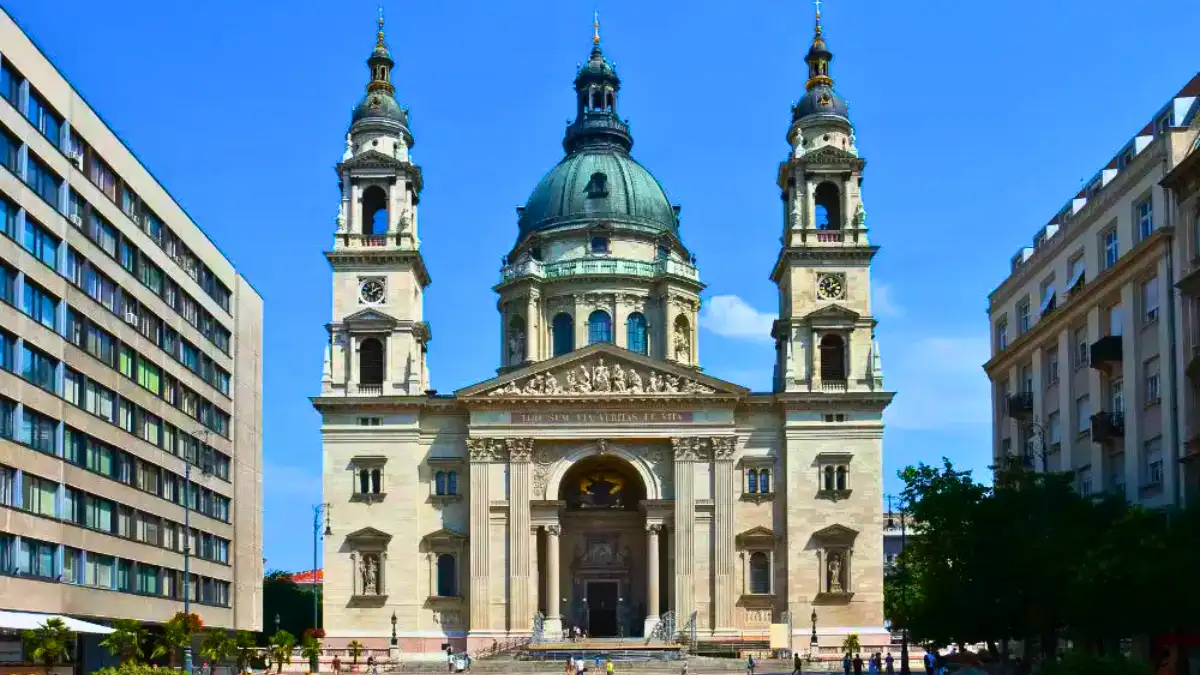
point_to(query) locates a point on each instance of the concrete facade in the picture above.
(611, 486)
(131, 350)
(1088, 331)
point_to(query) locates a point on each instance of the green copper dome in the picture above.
(598, 182)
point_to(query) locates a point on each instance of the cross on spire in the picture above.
(381, 24)
(595, 28)
(818, 4)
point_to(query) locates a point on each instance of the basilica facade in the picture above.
(602, 481)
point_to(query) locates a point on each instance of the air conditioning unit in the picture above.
(76, 219)
(131, 317)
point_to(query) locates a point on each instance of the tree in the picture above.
(310, 648)
(126, 640)
(356, 650)
(50, 643)
(281, 646)
(851, 644)
(291, 602)
(177, 634)
(243, 647)
(217, 647)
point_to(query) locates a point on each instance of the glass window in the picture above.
(99, 570)
(40, 305)
(148, 375)
(102, 177)
(1111, 248)
(8, 411)
(38, 431)
(39, 495)
(125, 360)
(1145, 218)
(9, 145)
(37, 559)
(8, 210)
(1150, 300)
(1002, 335)
(1083, 413)
(8, 486)
(635, 333)
(147, 579)
(100, 513)
(760, 573)
(44, 118)
(72, 386)
(124, 575)
(38, 368)
(39, 242)
(10, 84)
(8, 343)
(43, 180)
(599, 327)
(102, 233)
(73, 505)
(447, 576)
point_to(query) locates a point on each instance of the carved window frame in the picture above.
(445, 465)
(833, 475)
(439, 543)
(757, 540)
(363, 543)
(758, 465)
(369, 464)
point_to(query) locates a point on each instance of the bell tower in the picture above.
(378, 337)
(825, 334)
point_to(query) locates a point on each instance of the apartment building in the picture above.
(130, 376)
(1088, 338)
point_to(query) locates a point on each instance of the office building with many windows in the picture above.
(130, 376)
(1087, 341)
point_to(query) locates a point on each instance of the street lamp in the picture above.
(813, 640)
(318, 511)
(891, 522)
(394, 643)
(202, 454)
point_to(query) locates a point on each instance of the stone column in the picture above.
(652, 576)
(687, 451)
(552, 626)
(519, 613)
(531, 328)
(481, 452)
(723, 448)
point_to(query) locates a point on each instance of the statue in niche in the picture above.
(370, 575)
(349, 148)
(835, 573)
(860, 217)
(516, 345)
(683, 345)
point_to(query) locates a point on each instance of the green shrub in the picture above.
(130, 668)
(1084, 663)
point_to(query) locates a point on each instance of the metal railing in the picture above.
(606, 266)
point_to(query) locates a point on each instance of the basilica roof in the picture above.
(598, 179)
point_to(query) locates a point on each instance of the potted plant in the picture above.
(50, 643)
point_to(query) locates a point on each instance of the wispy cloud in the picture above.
(883, 301)
(730, 316)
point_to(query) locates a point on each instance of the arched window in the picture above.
(516, 341)
(374, 211)
(828, 207)
(599, 327)
(760, 572)
(451, 483)
(764, 481)
(829, 484)
(364, 481)
(635, 333)
(563, 328)
(439, 483)
(370, 362)
(841, 478)
(376, 479)
(597, 186)
(833, 358)
(600, 246)
(447, 576)
(752, 481)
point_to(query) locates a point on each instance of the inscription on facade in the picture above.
(602, 417)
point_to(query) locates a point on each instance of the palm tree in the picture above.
(356, 650)
(243, 646)
(50, 643)
(281, 647)
(311, 650)
(217, 646)
(177, 634)
(125, 642)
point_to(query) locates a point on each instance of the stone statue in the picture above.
(370, 575)
(550, 385)
(635, 382)
(618, 378)
(349, 148)
(835, 573)
(671, 384)
(600, 381)
(683, 345)
(584, 383)
(516, 345)
(534, 385)
(655, 384)
(860, 217)
(572, 385)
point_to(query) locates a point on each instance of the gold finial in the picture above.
(595, 28)
(818, 4)
(381, 24)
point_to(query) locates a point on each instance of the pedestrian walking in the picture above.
(890, 668)
(797, 664)
(608, 666)
(858, 664)
(750, 665)
(847, 663)
(930, 661)
(337, 664)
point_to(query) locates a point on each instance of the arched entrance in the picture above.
(604, 547)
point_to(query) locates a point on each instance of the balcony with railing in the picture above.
(356, 240)
(1108, 426)
(1106, 353)
(1020, 405)
(599, 266)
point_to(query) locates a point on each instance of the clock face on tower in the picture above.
(371, 291)
(831, 286)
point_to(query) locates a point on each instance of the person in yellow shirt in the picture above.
(608, 666)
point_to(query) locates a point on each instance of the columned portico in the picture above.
(653, 614)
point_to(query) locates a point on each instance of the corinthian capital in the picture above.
(486, 450)
(519, 449)
(723, 447)
(688, 448)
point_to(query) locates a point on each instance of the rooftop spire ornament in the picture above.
(596, 28)
(818, 4)
(381, 24)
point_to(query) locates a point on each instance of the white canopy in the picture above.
(30, 620)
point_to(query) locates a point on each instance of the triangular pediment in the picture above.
(368, 535)
(370, 317)
(833, 314)
(601, 370)
(443, 538)
(372, 159)
(836, 534)
(756, 535)
(831, 155)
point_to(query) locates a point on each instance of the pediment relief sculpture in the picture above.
(599, 377)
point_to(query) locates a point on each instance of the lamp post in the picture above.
(318, 511)
(812, 641)
(202, 454)
(394, 642)
(904, 670)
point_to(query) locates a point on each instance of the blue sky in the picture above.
(978, 120)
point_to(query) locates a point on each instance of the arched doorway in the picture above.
(604, 572)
